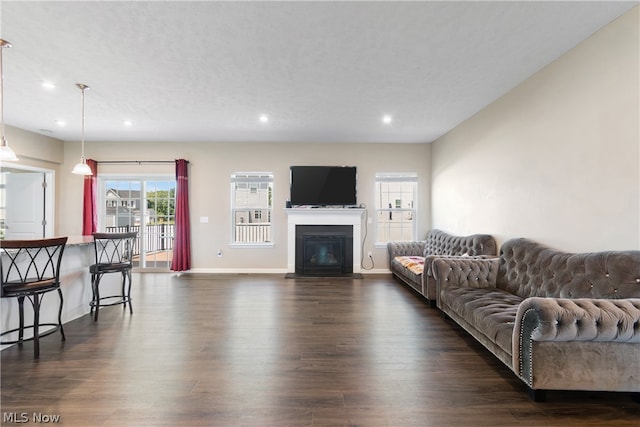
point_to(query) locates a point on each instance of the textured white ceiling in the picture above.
(321, 71)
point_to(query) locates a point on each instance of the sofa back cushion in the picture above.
(440, 243)
(529, 269)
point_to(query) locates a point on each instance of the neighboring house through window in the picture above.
(396, 207)
(252, 206)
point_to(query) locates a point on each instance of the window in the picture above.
(396, 207)
(252, 206)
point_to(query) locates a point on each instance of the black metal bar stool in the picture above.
(114, 254)
(30, 269)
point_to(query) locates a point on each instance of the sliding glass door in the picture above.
(147, 206)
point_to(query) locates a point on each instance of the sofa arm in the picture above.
(569, 336)
(561, 319)
(584, 319)
(414, 248)
(473, 272)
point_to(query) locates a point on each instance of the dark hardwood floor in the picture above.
(261, 350)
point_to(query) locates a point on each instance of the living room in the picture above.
(537, 162)
(554, 159)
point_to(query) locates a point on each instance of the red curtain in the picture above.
(182, 242)
(90, 207)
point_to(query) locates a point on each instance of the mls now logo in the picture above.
(15, 417)
(23, 417)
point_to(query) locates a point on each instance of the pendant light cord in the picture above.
(82, 87)
(3, 44)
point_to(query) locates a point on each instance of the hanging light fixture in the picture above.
(6, 153)
(82, 168)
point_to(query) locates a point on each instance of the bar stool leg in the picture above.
(93, 292)
(124, 293)
(21, 316)
(36, 326)
(128, 272)
(96, 296)
(60, 315)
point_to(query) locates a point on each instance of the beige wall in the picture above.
(211, 164)
(34, 149)
(38, 151)
(557, 159)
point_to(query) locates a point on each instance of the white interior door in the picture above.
(25, 205)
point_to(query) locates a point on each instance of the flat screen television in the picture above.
(323, 185)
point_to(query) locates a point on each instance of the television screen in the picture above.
(323, 185)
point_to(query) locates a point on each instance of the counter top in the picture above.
(79, 240)
(75, 240)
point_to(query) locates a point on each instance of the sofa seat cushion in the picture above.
(492, 311)
(415, 264)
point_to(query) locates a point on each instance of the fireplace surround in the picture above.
(350, 217)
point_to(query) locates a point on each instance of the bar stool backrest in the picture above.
(115, 249)
(34, 263)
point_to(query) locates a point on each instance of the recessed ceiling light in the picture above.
(48, 85)
(386, 119)
(264, 118)
(127, 123)
(61, 123)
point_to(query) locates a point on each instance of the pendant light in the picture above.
(6, 153)
(82, 168)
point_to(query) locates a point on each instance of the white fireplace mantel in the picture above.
(323, 216)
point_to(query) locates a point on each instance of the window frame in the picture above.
(253, 181)
(403, 177)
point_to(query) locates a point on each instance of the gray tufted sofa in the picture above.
(436, 244)
(560, 321)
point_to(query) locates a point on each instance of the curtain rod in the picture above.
(137, 162)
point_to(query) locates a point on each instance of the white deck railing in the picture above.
(252, 233)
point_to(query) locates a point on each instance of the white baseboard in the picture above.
(376, 271)
(239, 270)
(263, 271)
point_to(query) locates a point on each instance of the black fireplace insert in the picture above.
(324, 250)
